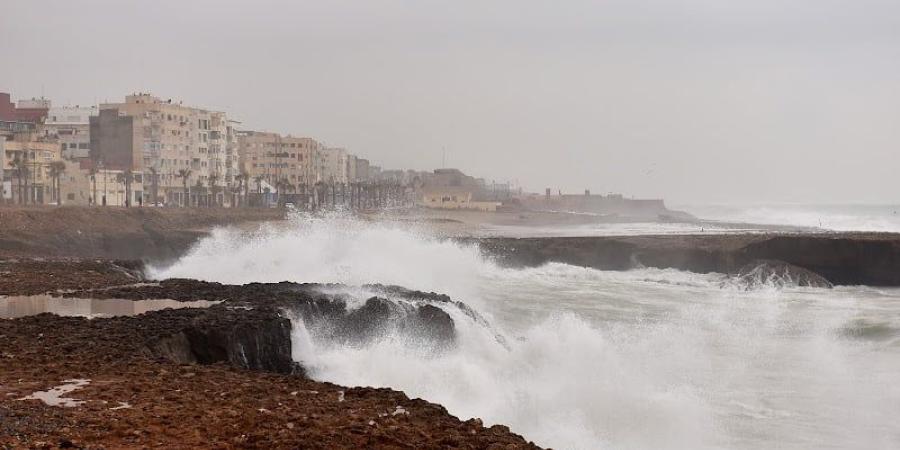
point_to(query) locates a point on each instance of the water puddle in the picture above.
(54, 396)
(21, 306)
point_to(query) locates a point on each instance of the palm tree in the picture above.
(239, 178)
(20, 167)
(126, 178)
(93, 173)
(57, 168)
(246, 183)
(258, 179)
(200, 190)
(213, 178)
(185, 174)
(154, 191)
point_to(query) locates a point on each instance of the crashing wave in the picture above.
(778, 274)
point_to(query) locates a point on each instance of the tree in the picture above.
(185, 174)
(93, 173)
(239, 179)
(258, 179)
(154, 189)
(126, 178)
(57, 168)
(20, 168)
(213, 178)
(201, 190)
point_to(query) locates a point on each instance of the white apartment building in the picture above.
(70, 125)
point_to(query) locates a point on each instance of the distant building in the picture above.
(170, 140)
(27, 167)
(333, 165)
(116, 141)
(362, 170)
(452, 189)
(70, 126)
(278, 160)
(34, 110)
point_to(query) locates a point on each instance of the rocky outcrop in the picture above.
(248, 339)
(140, 384)
(778, 274)
(845, 259)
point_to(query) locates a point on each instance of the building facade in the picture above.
(33, 111)
(287, 161)
(187, 153)
(29, 160)
(70, 126)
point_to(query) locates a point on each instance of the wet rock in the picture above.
(258, 339)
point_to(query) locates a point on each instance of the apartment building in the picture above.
(361, 169)
(175, 146)
(333, 165)
(28, 158)
(279, 160)
(70, 126)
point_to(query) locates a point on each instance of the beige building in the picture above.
(180, 144)
(30, 179)
(333, 165)
(286, 159)
(75, 183)
(456, 198)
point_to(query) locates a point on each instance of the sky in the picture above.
(693, 101)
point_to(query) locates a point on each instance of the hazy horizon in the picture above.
(692, 101)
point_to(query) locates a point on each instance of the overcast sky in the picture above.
(690, 100)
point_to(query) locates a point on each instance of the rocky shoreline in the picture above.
(219, 377)
(225, 376)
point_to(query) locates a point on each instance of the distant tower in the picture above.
(548, 193)
(587, 192)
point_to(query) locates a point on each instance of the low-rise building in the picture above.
(70, 126)
(29, 161)
(33, 111)
(452, 189)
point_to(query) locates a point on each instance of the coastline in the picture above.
(126, 363)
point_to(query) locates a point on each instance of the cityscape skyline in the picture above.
(764, 102)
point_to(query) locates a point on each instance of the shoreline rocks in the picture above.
(214, 377)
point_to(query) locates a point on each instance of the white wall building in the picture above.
(71, 126)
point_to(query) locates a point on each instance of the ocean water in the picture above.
(877, 218)
(578, 358)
